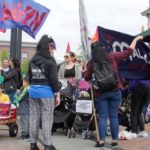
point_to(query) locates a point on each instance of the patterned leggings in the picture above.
(41, 113)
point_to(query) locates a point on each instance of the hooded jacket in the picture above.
(43, 71)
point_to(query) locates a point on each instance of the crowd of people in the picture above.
(38, 93)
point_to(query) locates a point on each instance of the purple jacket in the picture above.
(134, 83)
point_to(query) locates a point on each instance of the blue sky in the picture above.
(63, 21)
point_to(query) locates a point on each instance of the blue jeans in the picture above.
(107, 106)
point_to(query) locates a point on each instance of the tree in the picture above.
(80, 53)
(24, 67)
(4, 54)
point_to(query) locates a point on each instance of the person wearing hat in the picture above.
(44, 86)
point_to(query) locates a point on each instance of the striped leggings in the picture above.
(41, 113)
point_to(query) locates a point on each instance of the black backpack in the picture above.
(105, 79)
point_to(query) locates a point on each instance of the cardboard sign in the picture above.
(84, 106)
(4, 110)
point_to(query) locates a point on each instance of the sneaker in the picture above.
(102, 145)
(133, 135)
(34, 146)
(51, 147)
(143, 134)
(114, 145)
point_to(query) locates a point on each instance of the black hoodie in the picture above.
(43, 71)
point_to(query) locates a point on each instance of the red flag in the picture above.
(68, 48)
(2, 30)
(95, 37)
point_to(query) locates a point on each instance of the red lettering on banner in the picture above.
(17, 12)
(37, 20)
(23, 16)
(28, 17)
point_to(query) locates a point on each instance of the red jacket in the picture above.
(115, 58)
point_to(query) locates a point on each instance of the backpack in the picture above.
(10, 85)
(105, 79)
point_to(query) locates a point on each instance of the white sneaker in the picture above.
(133, 135)
(143, 134)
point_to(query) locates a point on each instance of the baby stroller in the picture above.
(63, 116)
(124, 112)
(8, 116)
(82, 108)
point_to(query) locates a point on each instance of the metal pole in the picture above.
(19, 41)
(15, 46)
(13, 43)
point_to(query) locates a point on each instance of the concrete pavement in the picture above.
(62, 142)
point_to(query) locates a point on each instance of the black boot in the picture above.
(51, 147)
(34, 146)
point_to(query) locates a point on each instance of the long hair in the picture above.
(43, 45)
(16, 63)
(99, 52)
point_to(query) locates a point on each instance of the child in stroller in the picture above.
(82, 108)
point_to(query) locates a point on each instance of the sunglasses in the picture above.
(66, 56)
(52, 45)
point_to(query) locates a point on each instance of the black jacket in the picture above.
(10, 80)
(43, 71)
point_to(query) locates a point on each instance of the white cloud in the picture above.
(63, 21)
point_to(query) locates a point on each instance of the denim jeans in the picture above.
(107, 106)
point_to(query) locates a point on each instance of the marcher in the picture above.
(11, 78)
(140, 93)
(5, 65)
(22, 98)
(108, 102)
(70, 69)
(44, 86)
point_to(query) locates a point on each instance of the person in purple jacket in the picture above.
(140, 90)
(107, 103)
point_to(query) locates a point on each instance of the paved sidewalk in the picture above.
(64, 143)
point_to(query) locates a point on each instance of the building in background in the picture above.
(27, 49)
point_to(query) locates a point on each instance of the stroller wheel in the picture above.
(69, 133)
(108, 132)
(13, 130)
(88, 134)
(84, 134)
(73, 133)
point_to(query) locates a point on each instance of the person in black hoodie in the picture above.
(12, 80)
(44, 87)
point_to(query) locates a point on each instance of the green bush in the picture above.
(24, 67)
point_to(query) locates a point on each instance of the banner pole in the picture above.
(94, 113)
